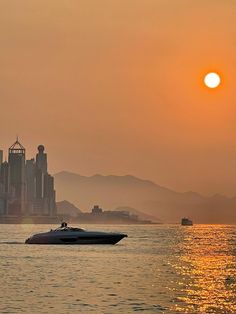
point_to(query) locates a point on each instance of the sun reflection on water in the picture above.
(206, 271)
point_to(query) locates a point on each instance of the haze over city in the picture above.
(116, 87)
(117, 156)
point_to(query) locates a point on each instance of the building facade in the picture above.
(26, 187)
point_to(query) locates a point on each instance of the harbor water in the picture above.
(157, 269)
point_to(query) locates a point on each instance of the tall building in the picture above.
(49, 194)
(17, 182)
(30, 172)
(1, 157)
(3, 185)
(4, 178)
(41, 159)
(41, 170)
(45, 201)
(26, 188)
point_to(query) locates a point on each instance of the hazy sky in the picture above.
(115, 87)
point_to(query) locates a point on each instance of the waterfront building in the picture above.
(96, 210)
(3, 178)
(30, 184)
(17, 182)
(1, 158)
(26, 187)
(4, 187)
(41, 170)
(41, 159)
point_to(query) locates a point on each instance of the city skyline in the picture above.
(118, 123)
(26, 187)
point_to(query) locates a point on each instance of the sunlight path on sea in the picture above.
(157, 269)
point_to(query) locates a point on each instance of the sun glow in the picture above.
(212, 80)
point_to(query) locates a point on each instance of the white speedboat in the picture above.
(71, 235)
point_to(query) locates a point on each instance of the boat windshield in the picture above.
(70, 229)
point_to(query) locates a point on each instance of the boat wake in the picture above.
(11, 242)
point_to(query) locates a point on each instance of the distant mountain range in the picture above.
(67, 208)
(143, 196)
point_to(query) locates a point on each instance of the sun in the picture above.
(212, 80)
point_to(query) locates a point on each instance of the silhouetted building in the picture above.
(49, 194)
(41, 159)
(98, 215)
(96, 210)
(17, 182)
(30, 184)
(3, 187)
(25, 185)
(41, 170)
(1, 158)
(4, 179)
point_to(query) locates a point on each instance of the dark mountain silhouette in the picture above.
(128, 191)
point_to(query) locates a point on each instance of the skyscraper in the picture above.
(1, 157)
(30, 171)
(44, 186)
(26, 188)
(17, 182)
(41, 159)
(41, 170)
(4, 178)
(49, 194)
(3, 185)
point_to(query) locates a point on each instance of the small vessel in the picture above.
(72, 235)
(186, 222)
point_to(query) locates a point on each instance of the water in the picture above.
(157, 269)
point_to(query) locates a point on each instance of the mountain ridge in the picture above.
(111, 191)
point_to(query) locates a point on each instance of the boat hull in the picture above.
(76, 240)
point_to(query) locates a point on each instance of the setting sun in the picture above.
(212, 80)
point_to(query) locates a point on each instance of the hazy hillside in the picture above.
(140, 214)
(67, 208)
(166, 205)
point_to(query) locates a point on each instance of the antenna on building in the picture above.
(17, 148)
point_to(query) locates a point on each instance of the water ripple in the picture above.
(157, 269)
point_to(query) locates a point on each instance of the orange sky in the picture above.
(115, 87)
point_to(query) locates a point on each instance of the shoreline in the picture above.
(57, 220)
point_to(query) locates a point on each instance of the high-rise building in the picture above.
(41, 159)
(17, 182)
(3, 185)
(41, 170)
(45, 202)
(4, 177)
(30, 172)
(1, 157)
(30, 179)
(26, 188)
(49, 194)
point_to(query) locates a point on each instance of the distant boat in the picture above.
(70, 235)
(186, 222)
